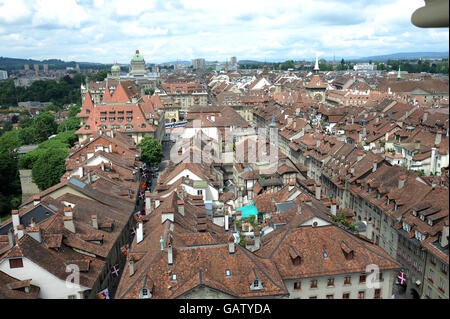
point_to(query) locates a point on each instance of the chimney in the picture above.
(68, 211)
(444, 236)
(231, 245)
(360, 156)
(386, 137)
(227, 221)
(148, 203)
(32, 222)
(103, 166)
(257, 234)
(89, 177)
(140, 232)
(401, 181)
(299, 209)
(131, 265)
(374, 167)
(425, 117)
(15, 220)
(317, 143)
(20, 231)
(433, 160)
(308, 201)
(69, 224)
(333, 207)
(318, 191)
(36, 200)
(94, 221)
(291, 185)
(438, 138)
(180, 204)
(11, 238)
(352, 170)
(161, 242)
(170, 251)
(35, 233)
(110, 147)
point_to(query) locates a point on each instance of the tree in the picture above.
(7, 126)
(45, 125)
(9, 183)
(151, 150)
(72, 123)
(49, 168)
(74, 110)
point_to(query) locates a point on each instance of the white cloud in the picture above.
(106, 31)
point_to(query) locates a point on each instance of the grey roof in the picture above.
(271, 182)
(284, 206)
(39, 213)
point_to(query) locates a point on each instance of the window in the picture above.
(174, 277)
(330, 282)
(377, 294)
(362, 279)
(444, 268)
(347, 280)
(297, 285)
(71, 297)
(314, 283)
(442, 285)
(330, 296)
(15, 263)
(361, 294)
(228, 273)
(430, 275)
(199, 192)
(313, 297)
(346, 295)
(144, 292)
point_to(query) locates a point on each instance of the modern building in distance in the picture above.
(364, 67)
(36, 68)
(198, 64)
(3, 75)
(46, 68)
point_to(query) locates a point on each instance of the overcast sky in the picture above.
(168, 30)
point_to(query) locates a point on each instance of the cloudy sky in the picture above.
(168, 30)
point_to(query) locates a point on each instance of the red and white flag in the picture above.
(133, 231)
(104, 294)
(124, 250)
(401, 278)
(115, 270)
(141, 195)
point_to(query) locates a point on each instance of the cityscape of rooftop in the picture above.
(224, 158)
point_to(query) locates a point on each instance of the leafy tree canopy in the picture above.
(151, 150)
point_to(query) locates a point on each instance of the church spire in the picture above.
(316, 66)
(399, 76)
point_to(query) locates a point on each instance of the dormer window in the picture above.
(395, 207)
(145, 293)
(174, 277)
(228, 273)
(387, 202)
(422, 218)
(430, 222)
(414, 213)
(406, 227)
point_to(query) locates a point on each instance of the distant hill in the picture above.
(179, 62)
(404, 56)
(10, 64)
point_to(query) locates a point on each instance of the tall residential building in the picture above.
(198, 64)
(3, 75)
(36, 67)
(45, 67)
(26, 67)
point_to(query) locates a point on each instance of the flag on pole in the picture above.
(136, 215)
(141, 195)
(401, 278)
(133, 231)
(143, 186)
(104, 294)
(124, 250)
(115, 270)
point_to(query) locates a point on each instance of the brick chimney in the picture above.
(374, 167)
(94, 221)
(438, 138)
(227, 221)
(69, 224)
(148, 203)
(35, 233)
(36, 200)
(68, 211)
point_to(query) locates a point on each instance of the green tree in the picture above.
(9, 183)
(25, 122)
(45, 125)
(27, 135)
(72, 123)
(74, 110)
(49, 168)
(151, 150)
(9, 141)
(7, 126)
